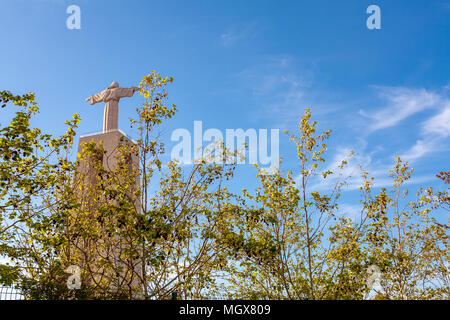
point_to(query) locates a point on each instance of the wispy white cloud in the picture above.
(419, 149)
(282, 92)
(281, 88)
(351, 173)
(401, 103)
(274, 74)
(434, 132)
(238, 33)
(439, 124)
(351, 211)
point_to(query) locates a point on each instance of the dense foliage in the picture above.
(195, 237)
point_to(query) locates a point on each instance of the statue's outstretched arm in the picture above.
(95, 98)
(126, 92)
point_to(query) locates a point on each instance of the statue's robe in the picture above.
(111, 97)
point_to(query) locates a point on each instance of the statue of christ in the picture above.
(111, 97)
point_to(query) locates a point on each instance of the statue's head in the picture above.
(114, 85)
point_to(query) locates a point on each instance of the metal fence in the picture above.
(10, 293)
(14, 293)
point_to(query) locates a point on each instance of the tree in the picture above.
(280, 233)
(138, 237)
(443, 197)
(31, 165)
(130, 242)
(406, 241)
(290, 242)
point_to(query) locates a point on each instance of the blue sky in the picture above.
(250, 64)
